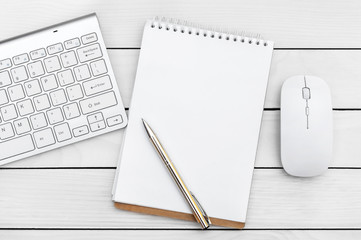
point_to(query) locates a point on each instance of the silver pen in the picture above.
(198, 212)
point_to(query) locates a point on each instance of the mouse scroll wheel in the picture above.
(306, 93)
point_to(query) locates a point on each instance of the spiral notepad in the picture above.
(203, 92)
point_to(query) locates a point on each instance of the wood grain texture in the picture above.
(177, 235)
(296, 24)
(81, 199)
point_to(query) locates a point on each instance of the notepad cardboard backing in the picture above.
(177, 215)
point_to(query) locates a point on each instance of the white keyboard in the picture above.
(57, 87)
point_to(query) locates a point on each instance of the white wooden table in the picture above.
(65, 194)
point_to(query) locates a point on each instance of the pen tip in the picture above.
(145, 123)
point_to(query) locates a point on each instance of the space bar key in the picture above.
(16, 147)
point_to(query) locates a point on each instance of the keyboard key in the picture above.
(32, 87)
(36, 69)
(72, 43)
(16, 92)
(25, 107)
(95, 118)
(5, 63)
(80, 131)
(52, 64)
(3, 97)
(68, 59)
(41, 102)
(44, 138)
(91, 37)
(36, 54)
(23, 58)
(58, 97)
(98, 67)
(55, 116)
(5, 79)
(82, 72)
(89, 52)
(65, 77)
(19, 74)
(97, 126)
(71, 111)
(38, 121)
(97, 85)
(6, 131)
(56, 48)
(16, 146)
(22, 126)
(62, 132)
(97, 103)
(114, 120)
(49, 82)
(74, 92)
(8, 112)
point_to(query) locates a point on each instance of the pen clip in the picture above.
(202, 209)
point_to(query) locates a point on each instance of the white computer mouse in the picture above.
(306, 126)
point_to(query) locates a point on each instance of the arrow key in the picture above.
(80, 131)
(115, 120)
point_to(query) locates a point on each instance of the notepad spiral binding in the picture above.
(185, 27)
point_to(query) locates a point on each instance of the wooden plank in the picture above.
(302, 24)
(81, 199)
(340, 69)
(103, 151)
(171, 234)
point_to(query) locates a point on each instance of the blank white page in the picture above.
(204, 98)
